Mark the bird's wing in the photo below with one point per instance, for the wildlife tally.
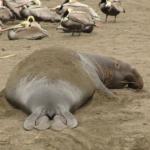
(117, 5)
(78, 4)
(81, 17)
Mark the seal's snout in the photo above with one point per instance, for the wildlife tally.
(137, 81)
(139, 84)
(136, 85)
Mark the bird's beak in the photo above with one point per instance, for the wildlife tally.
(17, 26)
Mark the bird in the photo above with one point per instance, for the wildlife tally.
(22, 24)
(77, 22)
(1, 26)
(30, 3)
(1, 3)
(28, 29)
(26, 23)
(77, 6)
(111, 8)
(68, 1)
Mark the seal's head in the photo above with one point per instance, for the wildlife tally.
(118, 74)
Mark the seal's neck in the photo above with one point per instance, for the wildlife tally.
(102, 67)
(92, 61)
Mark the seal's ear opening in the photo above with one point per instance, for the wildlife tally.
(117, 65)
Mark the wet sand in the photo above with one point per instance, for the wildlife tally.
(103, 124)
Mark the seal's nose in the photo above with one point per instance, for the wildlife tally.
(139, 84)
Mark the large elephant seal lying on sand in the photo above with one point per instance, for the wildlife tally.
(51, 84)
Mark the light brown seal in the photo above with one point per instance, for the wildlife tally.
(51, 84)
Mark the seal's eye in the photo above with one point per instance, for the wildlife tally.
(117, 66)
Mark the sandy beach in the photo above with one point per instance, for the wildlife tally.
(104, 124)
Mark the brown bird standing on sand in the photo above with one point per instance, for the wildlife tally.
(111, 8)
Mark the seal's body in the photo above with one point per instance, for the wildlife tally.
(52, 83)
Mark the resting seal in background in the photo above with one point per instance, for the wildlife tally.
(51, 84)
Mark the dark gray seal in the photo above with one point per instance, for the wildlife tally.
(51, 84)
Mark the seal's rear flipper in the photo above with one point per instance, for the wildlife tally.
(42, 123)
(59, 123)
(64, 120)
(70, 119)
(30, 121)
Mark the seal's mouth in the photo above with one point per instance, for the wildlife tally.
(132, 84)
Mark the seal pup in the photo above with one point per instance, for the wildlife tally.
(52, 83)
(111, 8)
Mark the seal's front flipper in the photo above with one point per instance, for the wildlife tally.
(105, 90)
(71, 121)
(42, 123)
(59, 123)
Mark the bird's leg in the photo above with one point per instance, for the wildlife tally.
(73, 33)
(79, 33)
(115, 19)
(106, 18)
(59, 27)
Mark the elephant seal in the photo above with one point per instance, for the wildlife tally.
(52, 83)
